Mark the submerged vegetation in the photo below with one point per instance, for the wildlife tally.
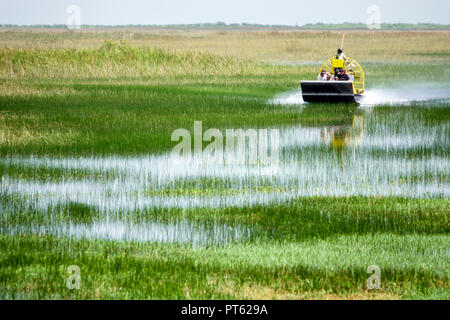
(85, 133)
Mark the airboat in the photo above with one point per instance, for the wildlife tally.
(336, 91)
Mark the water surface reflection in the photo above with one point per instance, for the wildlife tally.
(366, 152)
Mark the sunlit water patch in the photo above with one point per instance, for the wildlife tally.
(116, 230)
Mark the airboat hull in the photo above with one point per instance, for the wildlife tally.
(329, 91)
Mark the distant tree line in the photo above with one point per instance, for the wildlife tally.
(223, 25)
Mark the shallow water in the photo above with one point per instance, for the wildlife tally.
(176, 232)
(394, 153)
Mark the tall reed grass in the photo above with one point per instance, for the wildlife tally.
(261, 46)
(113, 59)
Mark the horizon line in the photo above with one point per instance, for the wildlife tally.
(224, 24)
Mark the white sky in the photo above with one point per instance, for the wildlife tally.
(288, 12)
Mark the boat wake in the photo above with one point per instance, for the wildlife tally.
(293, 97)
(407, 95)
(418, 93)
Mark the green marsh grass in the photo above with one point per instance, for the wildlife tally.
(411, 266)
(116, 99)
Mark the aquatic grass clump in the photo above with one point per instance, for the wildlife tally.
(56, 174)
